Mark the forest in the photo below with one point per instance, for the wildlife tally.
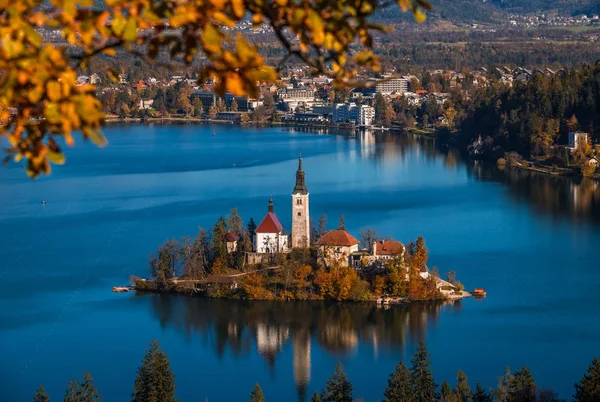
(532, 118)
(155, 382)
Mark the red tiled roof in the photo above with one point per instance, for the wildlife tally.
(270, 224)
(231, 237)
(337, 238)
(389, 247)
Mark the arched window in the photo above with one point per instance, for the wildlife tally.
(299, 201)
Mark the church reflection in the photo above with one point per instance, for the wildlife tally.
(264, 328)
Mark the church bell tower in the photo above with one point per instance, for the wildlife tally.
(300, 217)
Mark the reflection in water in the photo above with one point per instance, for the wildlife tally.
(337, 328)
(559, 197)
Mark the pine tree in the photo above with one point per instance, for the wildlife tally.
(522, 387)
(399, 389)
(72, 392)
(155, 382)
(88, 391)
(315, 397)
(462, 387)
(501, 393)
(338, 388)
(251, 228)
(41, 395)
(588, 388)
(445, 391)
(257, 395)
(421, 378)
(481, 395)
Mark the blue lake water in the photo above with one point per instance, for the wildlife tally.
(533, 242)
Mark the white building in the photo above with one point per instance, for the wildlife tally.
(270, 236)
(362, 115)
(576, 138)
(390, 85)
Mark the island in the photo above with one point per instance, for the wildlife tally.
(263, 262)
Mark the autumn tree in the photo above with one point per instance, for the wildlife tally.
(399, 387)
(588, 388)
(41, 395)
(198, 106)
(154, 382)
(338, 388)
(421, 379)
(368, 236)
(257, 395)
(234, 106)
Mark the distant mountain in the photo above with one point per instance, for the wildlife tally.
(481, 11)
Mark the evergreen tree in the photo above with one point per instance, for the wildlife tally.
(41, 395)
(315, 397)
(588, 388)
(462, 387)
(421, 378)
(399, 389)
(522, 387)
(72, 392)
(257, 395)
(251, 228)
(501, 393)
(338, 388)
(445, 391)
(88, 391)
(155, 382)
(481, 395)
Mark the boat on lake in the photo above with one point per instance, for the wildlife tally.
(479, 292)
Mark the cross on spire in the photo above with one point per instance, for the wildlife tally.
(300, 187)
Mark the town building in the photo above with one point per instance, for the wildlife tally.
(270, 236)
(146, 103)
(361, 115)
(336, 246)
(300, 212)
(391, 85)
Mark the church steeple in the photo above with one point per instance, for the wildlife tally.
(300, 187)
(271, 206)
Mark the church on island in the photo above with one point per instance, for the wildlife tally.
(335, 247)
(270, 235)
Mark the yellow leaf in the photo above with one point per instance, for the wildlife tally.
(238, 8)
(419, 15)
(95, 135)
(317, 30)
(58, 158)
(130, 33)
(211, 40)
(235, 84)
(53, 91)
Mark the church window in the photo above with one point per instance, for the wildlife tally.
(299, 201)
(299, 213)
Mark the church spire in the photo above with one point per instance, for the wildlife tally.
(300, 187)
(271, 206)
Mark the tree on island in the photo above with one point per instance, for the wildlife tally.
(234, 106)
(342, 223)
(315, 397)
(421, 379)
(155, 382)
(338, 388)
(82, 392)
(251, 227)
(257, 395)
(399, 388)
(41, 395)
(588, 388)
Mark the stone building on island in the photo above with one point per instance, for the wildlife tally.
(300, 214)
(336, 246)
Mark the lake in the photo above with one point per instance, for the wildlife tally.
(533, 242)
